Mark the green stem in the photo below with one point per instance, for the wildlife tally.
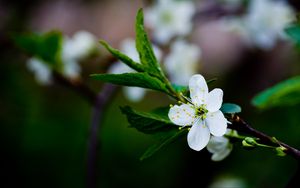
(239, 124)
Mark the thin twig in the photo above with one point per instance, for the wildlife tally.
(240, 125)
(102, 100)
(76, 86)
(99, 102)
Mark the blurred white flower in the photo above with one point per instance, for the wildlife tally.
(202, 113)
(75, 49)
(182, 62)
(71, 69)
(127, 46)
(40, 70)
(220, 147)
(79, 46)
(134, 94)
(228, 182)
(169, 18)
(264, 22)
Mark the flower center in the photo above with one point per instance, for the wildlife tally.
(201, 111)
(167, 17)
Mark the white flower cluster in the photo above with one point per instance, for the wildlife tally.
(73, 50)
(168, 19)
(263, 23)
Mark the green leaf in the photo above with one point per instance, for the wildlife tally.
(124, 58)
(294, 33)
(166, 140)
(148, 123)
(230, 108)
(46, 47)
(180, 88)
(157, 123)
(284, 93)
(144, 47)
(143, 80)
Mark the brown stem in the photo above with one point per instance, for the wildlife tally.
(99, 102)
(102, 100)
(76, 86)
(240, 125)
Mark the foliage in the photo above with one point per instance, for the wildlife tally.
(143, 80)
(293, 32)
(46, 47)
(230, 108)
(284, 93)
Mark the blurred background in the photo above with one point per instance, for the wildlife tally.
(44, 130)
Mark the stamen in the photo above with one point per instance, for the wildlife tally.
(189, 100)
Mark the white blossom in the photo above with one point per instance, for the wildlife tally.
(182, 62)
(202, 113)
(40, 69)
(169, 18)
(127, 46)
(228, 182)
(264, 22)
(220, 147)
(75, 49)
(79, 46)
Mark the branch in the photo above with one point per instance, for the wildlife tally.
(102, 100)
(240, 125)
(77, 86)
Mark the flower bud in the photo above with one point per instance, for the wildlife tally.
(280, 151)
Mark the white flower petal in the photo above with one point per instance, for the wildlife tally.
(214, 100)
(119, 68)
(41, 70)
(71, 69)
(182, 115)
(217, 123)
(169, 18)
(217, 144)
(134, 94)
(198, 136)
(79, 46)
(182, 61)
(222, 155)
(220, 147)
(198, 89)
